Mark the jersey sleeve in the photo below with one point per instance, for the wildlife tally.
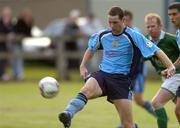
(93, 42)
(178, 39)
(178, 43)
(146, 47)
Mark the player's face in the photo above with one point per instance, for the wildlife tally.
(174, 16)
(116, 24)
(153, 28)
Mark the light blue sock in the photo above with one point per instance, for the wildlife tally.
(76, 104)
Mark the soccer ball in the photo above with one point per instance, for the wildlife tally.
(49, 87)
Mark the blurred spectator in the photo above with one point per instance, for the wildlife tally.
(54, 28)
(57, 26)
(23, 29)
(91, 25)
(24, 23)
(6, 34)
(72, 30)
(67, 27)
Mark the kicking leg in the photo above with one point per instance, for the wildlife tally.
(90, 90)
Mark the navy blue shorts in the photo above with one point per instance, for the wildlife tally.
(114, 86)
(178, 92)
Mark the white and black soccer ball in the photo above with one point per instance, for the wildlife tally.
(49, 87)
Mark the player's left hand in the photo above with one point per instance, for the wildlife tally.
(164, 73)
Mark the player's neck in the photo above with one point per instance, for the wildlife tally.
(156, 37)
(120, 31)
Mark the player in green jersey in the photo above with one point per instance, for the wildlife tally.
(167, 42)
(174, 15)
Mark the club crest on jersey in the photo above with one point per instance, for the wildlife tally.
(149, 43)
(114, 44)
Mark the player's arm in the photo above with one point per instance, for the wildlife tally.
(166, 61)
(177, 63)
(87, 56)
(93, 45)
(148, 49)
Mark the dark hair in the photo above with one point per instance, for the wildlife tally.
(128, 13)
(114, 11)
(174, 5)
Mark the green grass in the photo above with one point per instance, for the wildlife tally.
(21, 106)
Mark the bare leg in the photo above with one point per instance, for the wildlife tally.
(177, 110)
(158, 102)
(124, 108)
(161, 98)
(138, 99)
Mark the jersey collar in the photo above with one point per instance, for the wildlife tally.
(121, 32)
(162, 34)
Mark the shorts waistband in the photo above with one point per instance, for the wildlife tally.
(114, 74)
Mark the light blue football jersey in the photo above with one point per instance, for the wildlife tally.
(178, 37)
(119, 50)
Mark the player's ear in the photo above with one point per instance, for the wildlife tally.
(123, 19)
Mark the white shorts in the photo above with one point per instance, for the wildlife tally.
(171, 84)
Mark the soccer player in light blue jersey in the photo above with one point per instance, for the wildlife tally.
(122, 49)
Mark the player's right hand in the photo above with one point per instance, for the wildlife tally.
(171, 71)
(83, 71)
(168, 72)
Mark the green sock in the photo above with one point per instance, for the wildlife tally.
(162, 118)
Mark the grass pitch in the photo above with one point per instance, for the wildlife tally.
(22, 106)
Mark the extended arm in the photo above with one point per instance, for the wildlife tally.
(170, 67)
(87, 56)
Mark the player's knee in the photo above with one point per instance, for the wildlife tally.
(88, 91)
(156, 104)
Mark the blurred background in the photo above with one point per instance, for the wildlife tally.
(41, 38)
(44, 11)
(56, 32)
